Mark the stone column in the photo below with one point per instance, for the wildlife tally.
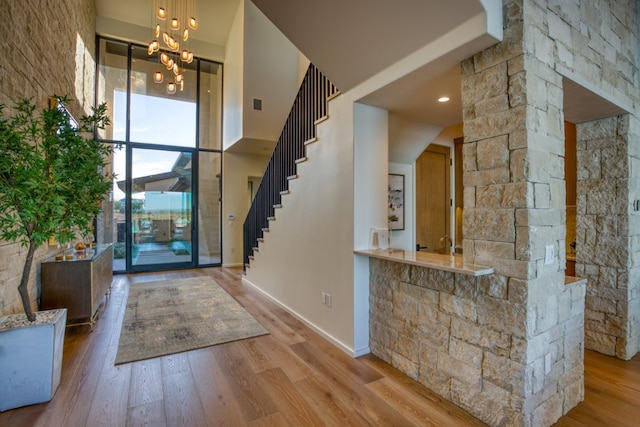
(514, 192)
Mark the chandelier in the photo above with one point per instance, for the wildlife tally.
(172, 22)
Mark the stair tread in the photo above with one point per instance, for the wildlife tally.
(321, 119)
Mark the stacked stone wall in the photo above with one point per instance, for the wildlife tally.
(597, 45)
(49, 51)
(605, 236)
(466, 338)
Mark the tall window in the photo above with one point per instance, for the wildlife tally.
(166, 194)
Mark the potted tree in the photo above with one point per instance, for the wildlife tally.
(52, 182)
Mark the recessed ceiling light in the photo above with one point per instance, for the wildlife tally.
(443, 99)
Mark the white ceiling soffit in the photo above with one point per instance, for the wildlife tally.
(583, 105)
(262, 147)
(350, 41)
(398, 55)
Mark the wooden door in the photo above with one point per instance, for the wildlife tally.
(433, 200)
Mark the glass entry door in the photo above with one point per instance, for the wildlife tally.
(162, 219)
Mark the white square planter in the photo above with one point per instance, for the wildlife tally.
(31, 360)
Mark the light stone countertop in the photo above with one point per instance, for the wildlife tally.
(450, 263)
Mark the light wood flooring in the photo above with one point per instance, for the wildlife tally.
(291, 377)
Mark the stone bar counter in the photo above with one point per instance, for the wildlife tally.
(461, 330)
(451, 263)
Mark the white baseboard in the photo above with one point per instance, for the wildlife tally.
(233, 264)
(361, 351)
(345, 348)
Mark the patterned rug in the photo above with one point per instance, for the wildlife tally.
(172, 316)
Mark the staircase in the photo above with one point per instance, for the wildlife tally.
(299, 130)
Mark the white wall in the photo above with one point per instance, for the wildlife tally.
(260, 64)
(408, 139)
(309, 248)
(371, 183)
(270, 74)
(237, 168)
(447, 135)
(232, 104)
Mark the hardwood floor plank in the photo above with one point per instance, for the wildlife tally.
(612, 393)
(267, 318)
(182, 405)
(220, 407)
(416, 409)
(322, 398)
(264, 353)
(258, 360)
(82, 366)
(406, 382)
(349, 387)
(147, 414)
(251, 396)
(24, 417)
(291, 405)
(146, 383)
(292, 376)
(177, 363)
(337, 362)
(105, 411)
(271, 420)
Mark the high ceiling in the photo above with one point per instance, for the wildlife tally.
(353, 41)
(350, 41)
(215, 16)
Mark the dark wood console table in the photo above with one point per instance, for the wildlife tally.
(77, 283)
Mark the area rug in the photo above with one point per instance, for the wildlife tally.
(172, 316)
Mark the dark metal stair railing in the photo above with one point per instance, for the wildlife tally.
(309, 106)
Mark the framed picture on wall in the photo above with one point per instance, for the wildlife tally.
(396, 201)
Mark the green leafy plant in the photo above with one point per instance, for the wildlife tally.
(52, 177)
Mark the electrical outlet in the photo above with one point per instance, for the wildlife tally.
(548, 254)
(547, 363)
(326, 299)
